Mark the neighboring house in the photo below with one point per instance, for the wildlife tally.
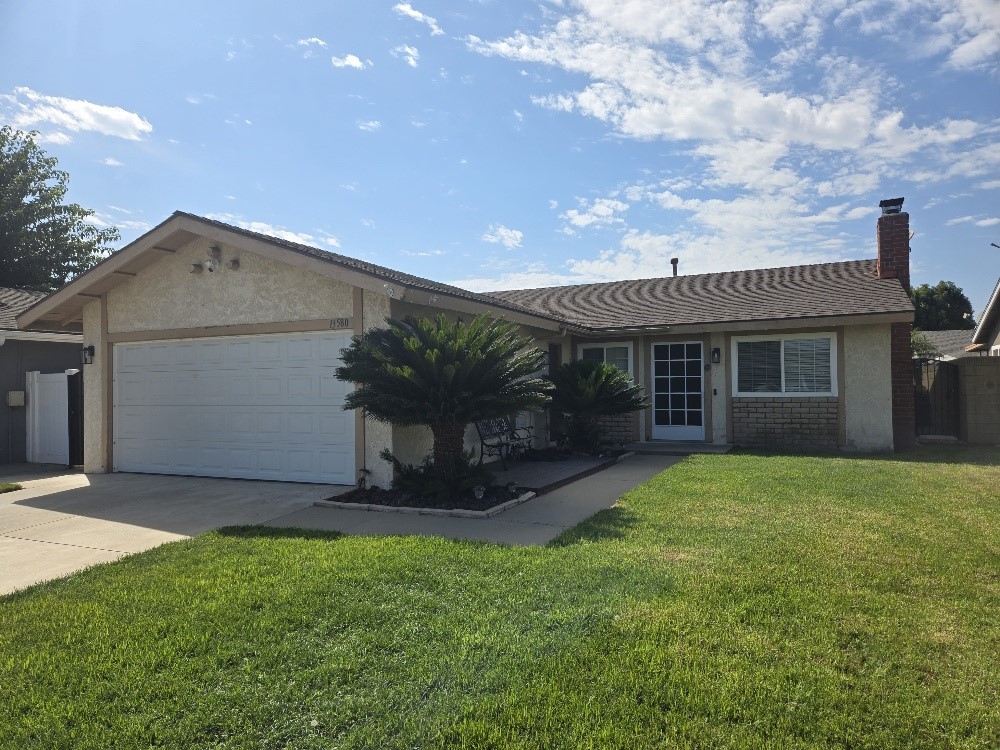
(215, 350)
(949, 344)
(986, 336)
(22, 352)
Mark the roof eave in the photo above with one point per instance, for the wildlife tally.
(991, 311)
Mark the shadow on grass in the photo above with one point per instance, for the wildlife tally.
(979, 455)
(613, 523)
(274, 532)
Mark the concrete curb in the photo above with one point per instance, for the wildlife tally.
(457, 513)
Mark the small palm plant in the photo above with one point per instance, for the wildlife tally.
(443, 375)
(585, 391)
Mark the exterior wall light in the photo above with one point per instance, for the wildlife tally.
(716, 355)
(87, 355)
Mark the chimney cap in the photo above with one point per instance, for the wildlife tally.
(891, 205)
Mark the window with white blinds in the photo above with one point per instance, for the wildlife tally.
(800, 364)
(619, 355)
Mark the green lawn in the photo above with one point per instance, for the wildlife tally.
(9, 487)
(734, 601)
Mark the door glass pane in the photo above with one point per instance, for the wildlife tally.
(693, 367)
(677, 385)
(677, 367)
(677, 401)
(677, 418)
(694, 385)
(661, 417)
(694, 351)
(662, 368)
(694, 418)
(662, 385)
(677, 351)
(694, 401)
(661, 351)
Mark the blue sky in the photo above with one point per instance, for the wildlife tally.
(513, 144)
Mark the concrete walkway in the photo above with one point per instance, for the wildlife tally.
(537, 521)
(62, 523)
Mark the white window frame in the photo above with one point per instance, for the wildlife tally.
(783, 337)
(603, 345)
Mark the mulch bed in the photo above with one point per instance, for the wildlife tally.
(398, 499)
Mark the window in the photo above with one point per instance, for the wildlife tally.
(619, 355)
(799, 364)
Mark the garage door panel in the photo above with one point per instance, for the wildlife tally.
(266, 407)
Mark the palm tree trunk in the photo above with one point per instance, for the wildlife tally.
(449, 442)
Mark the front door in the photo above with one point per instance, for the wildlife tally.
(678, 400)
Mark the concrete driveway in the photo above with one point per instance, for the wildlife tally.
(63, 522)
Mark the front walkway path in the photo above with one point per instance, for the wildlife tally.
(537, 521)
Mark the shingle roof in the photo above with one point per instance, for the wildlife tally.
(950, 343)
(390, 275)
(792, 292)
(12, 303)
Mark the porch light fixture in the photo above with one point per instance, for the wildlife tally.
(716, 355)
(87, 355)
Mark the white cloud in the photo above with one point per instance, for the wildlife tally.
(111, 161)
(27, 110)
(991, 222)
(405, 9)
(369, 126)
(311, 42)
(990, 184)
(959, 220)
(410, 54)
(272, 230)
(498, 234)
(519, 115)
(599, 213)
(350, 61)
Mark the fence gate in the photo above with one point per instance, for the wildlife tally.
(936, 397)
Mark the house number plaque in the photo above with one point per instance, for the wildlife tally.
(340, 323)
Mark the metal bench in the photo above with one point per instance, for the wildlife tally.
(499, 437)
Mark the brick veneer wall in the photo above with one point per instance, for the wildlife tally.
(808, 423)
(904, 418)
(621, 428)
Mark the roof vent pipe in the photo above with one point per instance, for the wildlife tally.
(673, 262)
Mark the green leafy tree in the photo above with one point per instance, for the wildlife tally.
(43, 241)
(922, 346)
(443, 375)
(943, 307)
(585, 391)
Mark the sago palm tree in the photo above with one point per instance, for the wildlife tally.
(586, 390)
(443, 375)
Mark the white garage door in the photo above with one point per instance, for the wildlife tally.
(253, 407)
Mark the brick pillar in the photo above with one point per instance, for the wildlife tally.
(904, 422)
(893, 237)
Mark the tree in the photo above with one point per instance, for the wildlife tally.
(922, 346)
(586, 390)
(443, 375)
(43, 241)
(943, 307)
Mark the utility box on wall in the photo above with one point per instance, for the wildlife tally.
(15, 398)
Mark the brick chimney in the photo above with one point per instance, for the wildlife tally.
(893, 235)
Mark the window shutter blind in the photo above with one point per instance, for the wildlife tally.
(758, 366)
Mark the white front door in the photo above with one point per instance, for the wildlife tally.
(252, 407)
(48, 418)
(678, 391)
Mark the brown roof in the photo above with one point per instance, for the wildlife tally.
(12, 303)
(792, 292)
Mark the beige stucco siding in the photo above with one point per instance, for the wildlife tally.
(378, 435)
(94, 451)
(867, 388)
(166, 295)
(717, 386)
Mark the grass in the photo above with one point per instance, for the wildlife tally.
(9, 487)
(734, 601)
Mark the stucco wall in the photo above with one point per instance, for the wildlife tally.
(378, 435)
(717, 384)
(167, 295)
(867, 390)
(979, 399)
(94, 451)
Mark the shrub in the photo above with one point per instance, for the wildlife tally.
(443, 481)
(587, 390)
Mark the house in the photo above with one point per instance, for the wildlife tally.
(23, 352)
(986, 336)
(949, 344)
(215, 348)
